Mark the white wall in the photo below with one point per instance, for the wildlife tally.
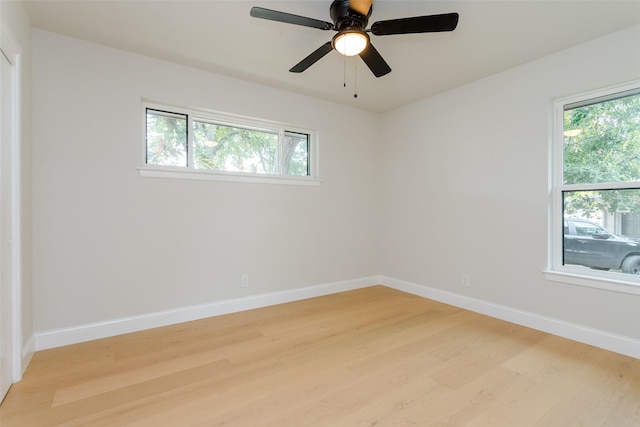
(465, 189)
(110, 244)
(15, 22)
(454, 184)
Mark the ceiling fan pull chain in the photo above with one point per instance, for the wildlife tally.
(355, 79)
(344, 71)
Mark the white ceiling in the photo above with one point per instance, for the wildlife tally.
(221, 37)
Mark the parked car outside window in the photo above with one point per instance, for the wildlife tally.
(589, 244)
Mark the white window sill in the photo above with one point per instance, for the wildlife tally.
(616, 283)
(184, 173)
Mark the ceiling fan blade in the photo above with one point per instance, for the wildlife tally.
(361, 6)
(417, 24)
(315, 56)
(374, 61)
(289, 18)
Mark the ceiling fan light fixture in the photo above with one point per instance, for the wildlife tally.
(350, 42)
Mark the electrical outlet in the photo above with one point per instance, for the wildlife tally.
(465, 280)
(244, 281)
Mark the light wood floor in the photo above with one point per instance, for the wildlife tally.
(371, 357)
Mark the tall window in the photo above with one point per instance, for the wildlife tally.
(201, 141)
(597, 185)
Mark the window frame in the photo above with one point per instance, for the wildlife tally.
(225, 119)
(569, 274)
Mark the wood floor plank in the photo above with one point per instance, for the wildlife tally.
(373, 356)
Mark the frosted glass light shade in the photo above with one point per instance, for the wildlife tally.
(350, 42)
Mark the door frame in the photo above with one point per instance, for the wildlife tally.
(11, 49)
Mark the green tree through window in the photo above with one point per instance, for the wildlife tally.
(166, 138)
(197, 141)
(602, 145)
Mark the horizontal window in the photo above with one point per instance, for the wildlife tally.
(199, 141)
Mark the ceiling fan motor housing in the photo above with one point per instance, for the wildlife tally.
(344, 17)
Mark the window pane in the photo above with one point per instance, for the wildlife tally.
(295, 154)
(234, 149)
(602, 229)
(602, 141)
(166, 138)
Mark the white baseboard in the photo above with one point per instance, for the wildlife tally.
(92, 331)
(88, 332)
(616, 343)
(28, 351)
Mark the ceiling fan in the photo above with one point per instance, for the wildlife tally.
(350, 18)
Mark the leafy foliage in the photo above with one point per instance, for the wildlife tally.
(166, 138)
(223, 147)
(295, 154)
(227, 148)
(603, 146)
